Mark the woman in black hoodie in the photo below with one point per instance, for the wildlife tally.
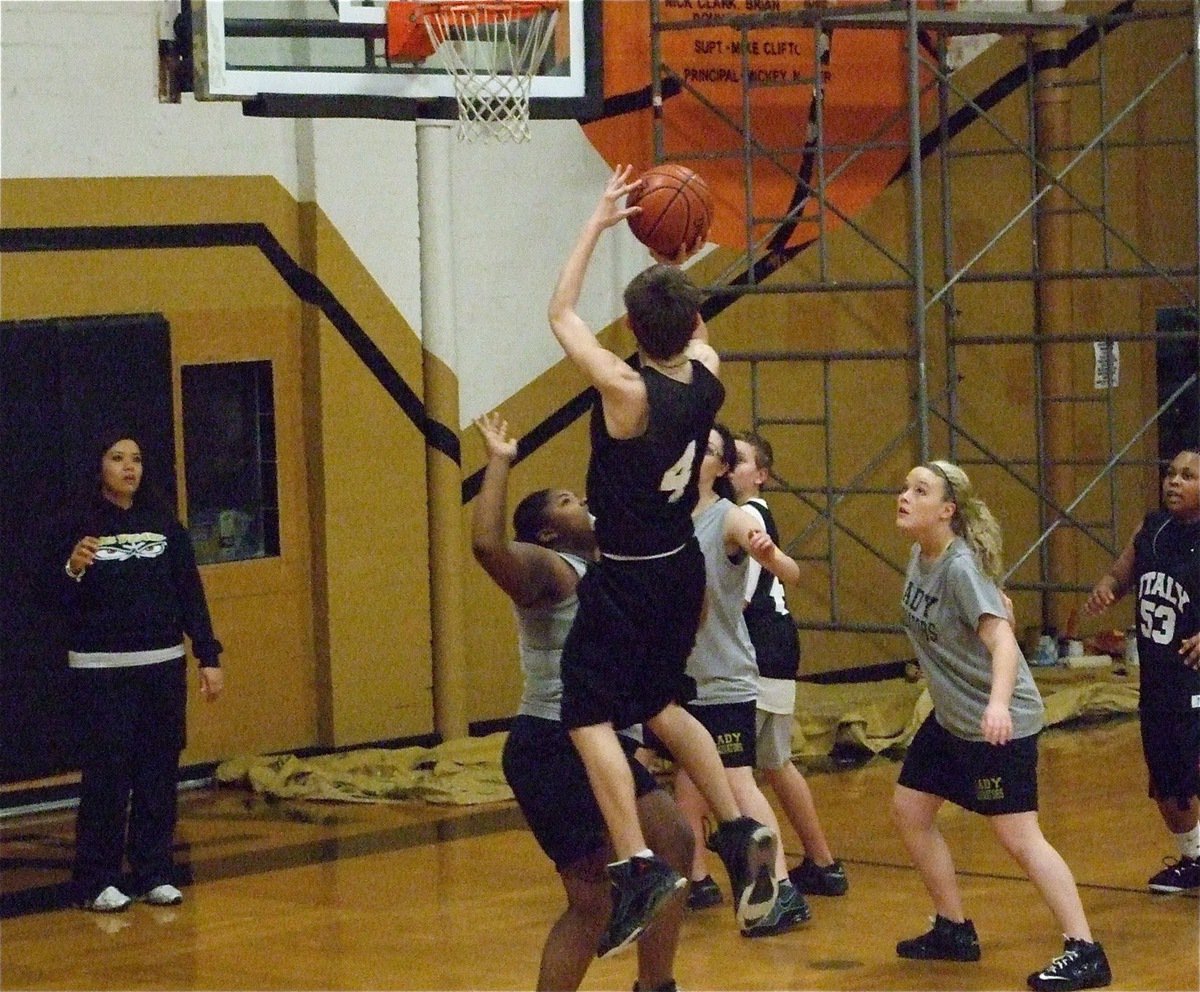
(133, 591)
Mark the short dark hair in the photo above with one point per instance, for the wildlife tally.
(662, 306)
(530, 516)
(764, 456)
(723, 485)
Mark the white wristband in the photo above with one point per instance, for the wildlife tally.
(73, 575)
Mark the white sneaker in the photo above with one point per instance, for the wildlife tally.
(111, 900)
(163, 895)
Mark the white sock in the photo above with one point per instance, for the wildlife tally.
(1189, 843)
(645, 852)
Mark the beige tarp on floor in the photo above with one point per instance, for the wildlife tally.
(879, 716)
(873, 716)
(459, 773)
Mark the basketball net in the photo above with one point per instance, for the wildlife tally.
(492, 50)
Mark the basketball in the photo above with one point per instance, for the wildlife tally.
(676, 209)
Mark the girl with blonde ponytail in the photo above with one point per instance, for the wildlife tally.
(978, 748)
(973, 521)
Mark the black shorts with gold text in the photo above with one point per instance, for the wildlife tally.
(984, 778)
(734, 729)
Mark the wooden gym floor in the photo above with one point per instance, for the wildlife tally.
(323, 896)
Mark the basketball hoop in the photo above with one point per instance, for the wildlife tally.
(492, 49)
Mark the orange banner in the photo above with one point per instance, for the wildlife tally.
(864, 93)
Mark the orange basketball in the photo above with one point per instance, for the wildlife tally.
(677, 209)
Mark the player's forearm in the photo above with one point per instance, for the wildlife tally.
(997, 636)
(565, 297)
(487, 520)
(1004, 674)
(1121, 572)
(786, 568)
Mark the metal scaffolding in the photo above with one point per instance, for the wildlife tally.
(1052, 162)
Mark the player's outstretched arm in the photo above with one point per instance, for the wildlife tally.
(744, 531)
(1113, 584)
(605, 369)
(528, 573)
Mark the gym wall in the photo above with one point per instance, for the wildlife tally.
(329, 644)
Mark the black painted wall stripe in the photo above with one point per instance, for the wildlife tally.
(303, 283)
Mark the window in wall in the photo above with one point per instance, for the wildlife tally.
(1179, 425)
(229, 461)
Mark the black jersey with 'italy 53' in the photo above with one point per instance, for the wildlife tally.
(1166, 578)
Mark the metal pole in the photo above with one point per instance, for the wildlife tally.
(656, 97)
(444, 476)
(1054, 303)
(917, 230)
(949, 315)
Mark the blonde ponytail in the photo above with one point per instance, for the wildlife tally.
(972, 521)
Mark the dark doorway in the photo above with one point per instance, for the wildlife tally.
(1178, 359)
(62, 381)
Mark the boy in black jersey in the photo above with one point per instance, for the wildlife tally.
(640, 604)
(1161, 565)
(777, 651)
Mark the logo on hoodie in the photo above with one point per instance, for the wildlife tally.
(122, 547)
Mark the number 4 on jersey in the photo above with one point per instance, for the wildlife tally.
(676, 478)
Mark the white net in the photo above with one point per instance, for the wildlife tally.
(492, 50)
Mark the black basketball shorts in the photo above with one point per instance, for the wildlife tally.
(551, 786)
(985, 778)
(625, 657)
(734, 730)
(1171, 746)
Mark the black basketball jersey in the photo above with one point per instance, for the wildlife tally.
(1167, 589)
(642, 490)
(772, 629)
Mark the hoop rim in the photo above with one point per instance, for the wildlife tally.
(520, 9)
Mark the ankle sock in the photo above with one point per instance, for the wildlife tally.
(1189, 843)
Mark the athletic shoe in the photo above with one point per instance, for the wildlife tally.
(704, 894)
(111, 900)
(1179, 876)
(747, 849)
(947, 941)
(789, 911)
(820, 880)
(640, 889)
(162, 895)
(1080, 966)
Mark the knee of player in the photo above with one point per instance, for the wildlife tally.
(589, 901)
(667, 832)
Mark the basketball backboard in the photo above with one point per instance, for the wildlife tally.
(327, 58)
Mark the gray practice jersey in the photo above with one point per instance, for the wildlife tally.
(542, 631)
(943, 603)
(722, 662)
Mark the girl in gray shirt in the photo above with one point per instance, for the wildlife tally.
(978, 748)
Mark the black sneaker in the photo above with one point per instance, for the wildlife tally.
(947, 941)
(748, 850)
(1179, 876)
(789, 912)
(665, 987)
(1080, 966)
(820, 880)
(640, 888)
(704, 894)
